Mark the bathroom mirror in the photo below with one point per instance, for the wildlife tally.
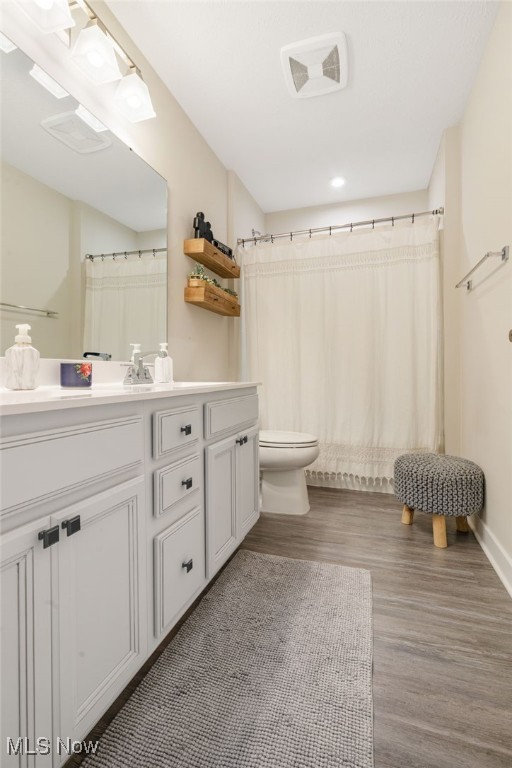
(69, 190)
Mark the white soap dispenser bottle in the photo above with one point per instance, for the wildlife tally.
(163, 366)
(135, 349)
(22, 361)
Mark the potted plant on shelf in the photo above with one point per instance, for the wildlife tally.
(198, 277)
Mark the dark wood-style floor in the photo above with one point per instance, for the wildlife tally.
(442, 627)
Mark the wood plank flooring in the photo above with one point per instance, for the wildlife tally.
(442, 627)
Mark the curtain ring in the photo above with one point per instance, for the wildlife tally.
(373, 223)
(351, 227)
(310, 233)
(140, 254)
(114, 256)
(412, 221)
(254, 241)
(330, 231)
(103, 257)
(154, 253)
(392, 221)
(291, 237)
(125, 256)
(272, 239)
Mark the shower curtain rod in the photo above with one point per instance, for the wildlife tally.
(124, 254)
(330, 230)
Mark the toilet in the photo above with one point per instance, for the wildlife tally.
(283, 457)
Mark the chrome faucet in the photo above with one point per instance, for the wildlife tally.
(137, 372)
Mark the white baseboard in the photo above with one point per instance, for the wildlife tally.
(500, 560)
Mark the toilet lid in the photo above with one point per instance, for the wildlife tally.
(270, 438)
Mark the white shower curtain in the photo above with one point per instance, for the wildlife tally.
(125, 302)
(344, 332)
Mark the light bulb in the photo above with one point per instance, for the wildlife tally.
(95, 58)
(133, 101)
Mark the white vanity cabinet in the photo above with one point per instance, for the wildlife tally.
(114, 517)
(25, 642)
(232, 477)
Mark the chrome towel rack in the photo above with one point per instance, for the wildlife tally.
(45, 312)
(503, 254)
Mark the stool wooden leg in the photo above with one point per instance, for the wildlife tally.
(439, 529)
(407, 515)
(462, 524)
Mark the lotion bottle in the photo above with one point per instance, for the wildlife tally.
(22, 361)
(163, 366)
(135, 349)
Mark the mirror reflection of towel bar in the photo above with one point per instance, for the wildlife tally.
(45, 312)
(469, 283)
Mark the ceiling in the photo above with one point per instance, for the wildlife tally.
(411, 68)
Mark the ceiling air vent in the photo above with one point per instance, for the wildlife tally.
(74, 133)
(315, 66)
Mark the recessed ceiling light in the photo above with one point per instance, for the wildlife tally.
(90, 119)
(5, 44)
(338, 181)
(44, 79)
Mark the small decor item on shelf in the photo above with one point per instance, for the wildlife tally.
(203, 229)
(75, 375)
(199, 274)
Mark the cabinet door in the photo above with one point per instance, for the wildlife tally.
(247, 483)
(100, 632)
(25, 641)
(220, 503)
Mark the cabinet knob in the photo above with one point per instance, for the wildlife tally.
(240, 440)
(188, 565)
(187, 483)
(49, 537)
(72, 525)
(187, 429)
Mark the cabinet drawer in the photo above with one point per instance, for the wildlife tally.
(229, 415)
(175, 429)
(179, 568)
(175, 483)
(61, 460)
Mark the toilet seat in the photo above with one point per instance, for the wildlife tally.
(270, 438)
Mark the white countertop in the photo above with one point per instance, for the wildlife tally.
(52, 398)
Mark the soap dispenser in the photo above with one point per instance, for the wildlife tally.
(22, 361)
(135, 350)
(163, 366)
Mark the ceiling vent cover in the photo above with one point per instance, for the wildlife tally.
(74, 133)
(315, 66)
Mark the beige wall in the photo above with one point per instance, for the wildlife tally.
(343, 213)
(36, 262)
(475, 168)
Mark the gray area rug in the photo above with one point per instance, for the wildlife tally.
(272, 670)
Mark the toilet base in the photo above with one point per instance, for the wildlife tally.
(285, 492)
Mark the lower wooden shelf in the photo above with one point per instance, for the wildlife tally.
(212, 298)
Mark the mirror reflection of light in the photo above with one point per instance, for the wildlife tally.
(95, 58)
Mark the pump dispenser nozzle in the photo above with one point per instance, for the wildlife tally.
(23, 337)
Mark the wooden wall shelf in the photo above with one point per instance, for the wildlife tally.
(212, 298)
(210, 257)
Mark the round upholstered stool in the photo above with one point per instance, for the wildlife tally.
(439, 485)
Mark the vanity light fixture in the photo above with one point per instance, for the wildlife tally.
(94, 54)
(44, 79)
(48, 15)
(90, 119)
(5, 44)
(132, 98)
(338, 181)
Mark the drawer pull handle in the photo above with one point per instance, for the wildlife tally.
(188, 565)
(187, 483)
(187, 429)
(49, 537)
(72, 526)
(242, 440)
